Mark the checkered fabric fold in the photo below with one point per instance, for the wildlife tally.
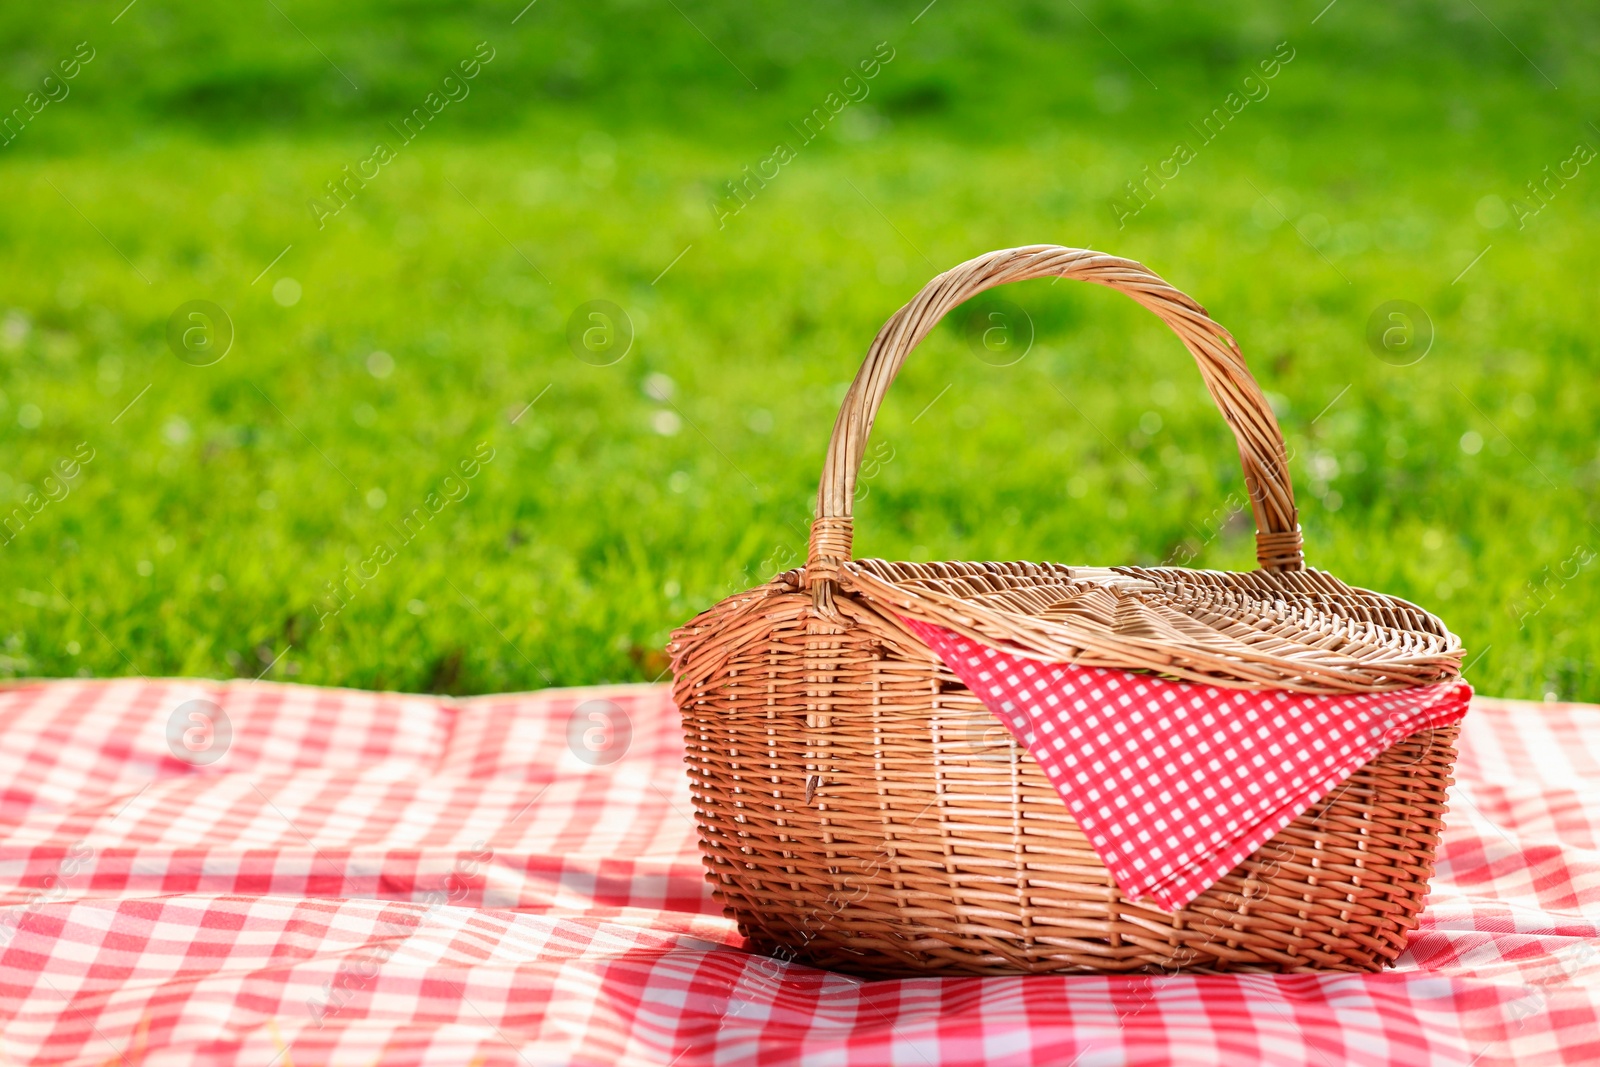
(1175, 783)
(366, 878)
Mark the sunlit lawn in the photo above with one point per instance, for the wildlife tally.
(305, 507)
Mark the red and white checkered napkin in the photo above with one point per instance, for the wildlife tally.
(1175, 783)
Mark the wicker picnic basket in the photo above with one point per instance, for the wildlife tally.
(859, 809)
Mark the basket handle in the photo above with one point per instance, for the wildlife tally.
(1261, 448)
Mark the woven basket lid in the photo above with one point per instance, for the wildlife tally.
(1282, 626)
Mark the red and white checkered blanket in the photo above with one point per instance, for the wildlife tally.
(366, 878)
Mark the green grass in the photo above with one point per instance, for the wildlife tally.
(222, 500)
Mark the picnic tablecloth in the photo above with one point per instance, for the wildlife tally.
(359, 878)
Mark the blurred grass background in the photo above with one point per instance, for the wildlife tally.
(1389, 161)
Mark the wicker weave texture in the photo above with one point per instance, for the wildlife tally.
(888, 825)
(860, 809)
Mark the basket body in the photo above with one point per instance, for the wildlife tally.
(859, 809)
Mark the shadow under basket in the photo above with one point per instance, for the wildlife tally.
(860, 809)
